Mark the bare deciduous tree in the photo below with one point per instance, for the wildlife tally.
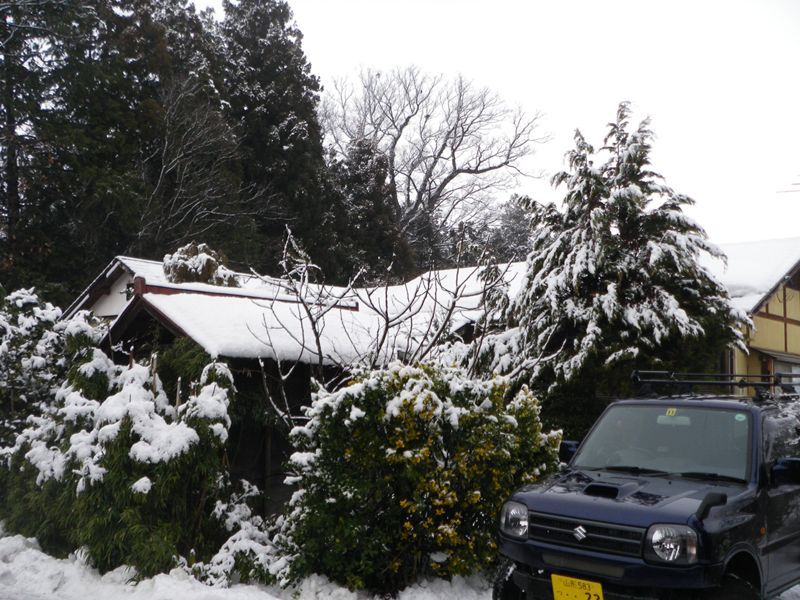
(303, 325)
(451, 145)
(191, 185)
(355, 329)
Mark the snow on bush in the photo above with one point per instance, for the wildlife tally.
(132, 479)
(402, 474)
(33, 345)
(103, 461)
(198, 263)
(249, 553)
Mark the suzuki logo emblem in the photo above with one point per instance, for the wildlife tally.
(580, 533)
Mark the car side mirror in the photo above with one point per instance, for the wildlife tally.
(567, 450)
(786, 471)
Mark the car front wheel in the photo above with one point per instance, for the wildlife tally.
(504, 587)
(734, 587)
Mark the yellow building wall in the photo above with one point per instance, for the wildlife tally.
(746, 364)
(793, 338)
(793, 304)
(768, 334)
(774, 305)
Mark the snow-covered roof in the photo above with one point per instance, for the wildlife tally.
(755, 269)
(242, 327)
(152, 272)
(265, 320)
(249, 284)
(262, 318)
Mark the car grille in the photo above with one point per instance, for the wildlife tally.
(604, 537)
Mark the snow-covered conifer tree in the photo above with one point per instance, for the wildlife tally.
(614, 273)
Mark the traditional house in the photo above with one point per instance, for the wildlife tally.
(277, 335)
(264, 319)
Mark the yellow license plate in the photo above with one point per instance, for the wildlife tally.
(569, 588)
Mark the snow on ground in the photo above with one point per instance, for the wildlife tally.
(26, 573)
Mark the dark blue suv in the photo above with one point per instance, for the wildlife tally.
(679, 497)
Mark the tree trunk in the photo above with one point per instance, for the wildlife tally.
(11, 174)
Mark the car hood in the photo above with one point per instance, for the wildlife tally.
(635, 500)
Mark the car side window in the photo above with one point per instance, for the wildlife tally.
(781, 436)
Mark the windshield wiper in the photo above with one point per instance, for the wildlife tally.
(710, 476)
(635, 470)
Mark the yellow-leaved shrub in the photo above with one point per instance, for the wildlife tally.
(402, 475)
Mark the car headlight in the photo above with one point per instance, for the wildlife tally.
(514, 519)
(674, 544)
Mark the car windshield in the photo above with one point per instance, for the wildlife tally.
(695, 442)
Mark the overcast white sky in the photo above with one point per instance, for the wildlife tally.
(720, 80)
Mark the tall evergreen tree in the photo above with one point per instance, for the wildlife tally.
(613, 280)
(135, 126)
(31, 44)
(97, 68)
(114, 121)
(272, 98)
(510, 236)
(373, 241)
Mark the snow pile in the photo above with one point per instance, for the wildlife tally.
(142, 486)
(26, 573)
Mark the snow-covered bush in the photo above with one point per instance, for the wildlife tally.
(158, 470)
(36, 349)
(44, 351)
(198, 263)
(31, 360)
(134, 479)
(402, 474)
(249, 553)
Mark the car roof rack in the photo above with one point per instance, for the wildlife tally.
(787, 387)
(763, 384)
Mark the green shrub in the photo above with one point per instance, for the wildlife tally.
(402, 475)
(161, 481)
(111, 466)
(180, 363)
(103, 460)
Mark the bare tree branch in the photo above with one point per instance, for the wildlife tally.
(191, 189)
(450, 144)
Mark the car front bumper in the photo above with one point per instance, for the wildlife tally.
(622, 577)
